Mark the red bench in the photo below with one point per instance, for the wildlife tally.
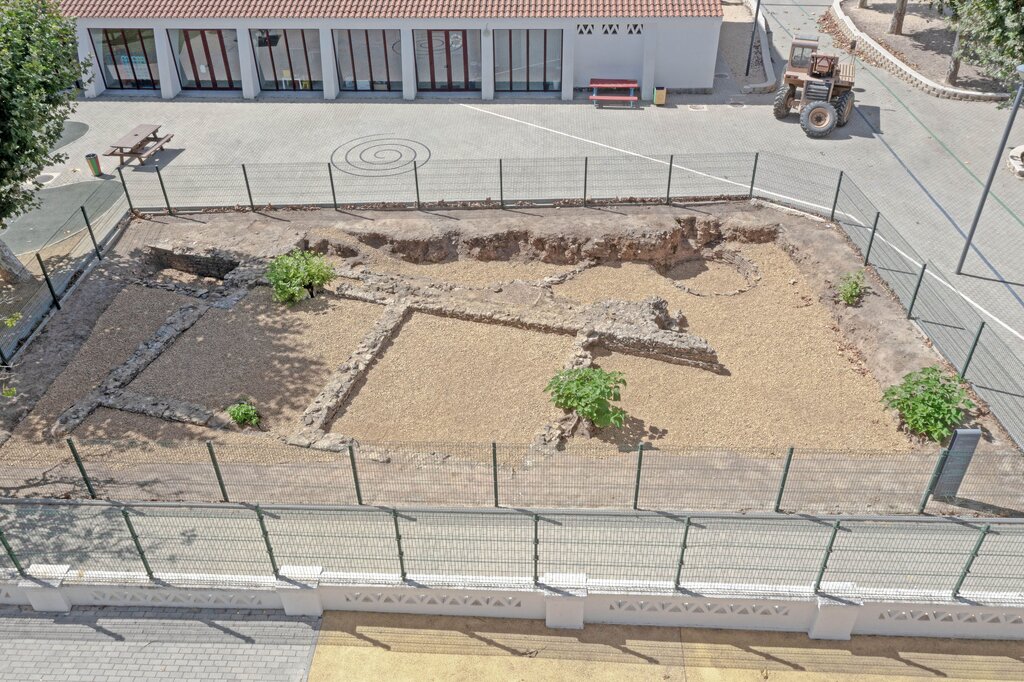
(603, 85)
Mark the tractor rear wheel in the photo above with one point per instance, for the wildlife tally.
(784, 97)
(844, 107)
(818, 119)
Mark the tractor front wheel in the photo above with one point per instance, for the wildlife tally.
(844, 107)
(784, 97)
(818, 119)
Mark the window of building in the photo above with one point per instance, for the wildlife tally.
(288, 59)
(369, 59)
(527, 60)
(127, 58)
(447, 59)
(207, 59)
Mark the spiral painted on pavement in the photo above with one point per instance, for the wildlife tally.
(379, 156)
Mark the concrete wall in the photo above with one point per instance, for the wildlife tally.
(686, 52)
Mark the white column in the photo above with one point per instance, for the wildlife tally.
(835, 618)
(568, 60)
(247, 63)
(95, 84)
(166, 67)
(328, 66)
(408, 65)
(650, 60)
(487, 63)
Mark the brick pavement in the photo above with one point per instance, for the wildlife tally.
(108, 644)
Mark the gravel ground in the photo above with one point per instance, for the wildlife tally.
(276, 356)
(788, 378)
(449, 380)
(130, 319)
(467, 271)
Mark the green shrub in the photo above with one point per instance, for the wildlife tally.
(852, 288)
(244, 414)
(587, 392)
(930, 402)
(298, 273)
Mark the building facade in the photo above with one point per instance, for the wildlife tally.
(339, 48)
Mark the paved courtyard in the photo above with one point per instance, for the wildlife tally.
(111, 644)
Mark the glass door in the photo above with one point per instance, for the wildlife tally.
(207, 58)
(127, 58)
(447, 60)
(526, 60)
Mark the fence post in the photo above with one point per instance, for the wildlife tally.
(824, 559)
(939, 464)
(917, 288)
(138, 545)
(334, 195)
(266, 541)
(536, 549)
(970, 560)
(835, 200)
(974, 347)
(216, 470)
(753, 175)
(81, 468)
(124, 186)
(586, 165)
(668, 189)
(494, 470)
(682, 552)
(416, 179)
(398, 541)
(782, 481)
(88, 226)
(871, 239)
(49, 284)
(163, 188)
(501, 184)
(11, 555)
(248, 191)
(639, 469)
(4, 362)
(355, 473)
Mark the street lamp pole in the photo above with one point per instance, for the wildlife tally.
(992, 173)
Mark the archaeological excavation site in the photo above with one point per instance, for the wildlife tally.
(445, 327)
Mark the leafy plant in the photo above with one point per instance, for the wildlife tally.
(244, 414)
(295, 274)
(587, 391)
(852, 288)
(930, 402)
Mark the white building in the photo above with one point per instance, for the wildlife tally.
(396, 47)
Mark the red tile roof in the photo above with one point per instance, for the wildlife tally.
(388, 9)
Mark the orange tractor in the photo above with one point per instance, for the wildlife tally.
(817, 86)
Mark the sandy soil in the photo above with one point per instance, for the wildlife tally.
(449, 380)
(276, 356)
(788, 378)
(925, 45)
(468, 272)
(371, 646)
(130, 319)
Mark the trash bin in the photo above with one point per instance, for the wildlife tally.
(659, 96)
(94, 164)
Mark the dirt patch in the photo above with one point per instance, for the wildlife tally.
(926, 43)
(261, 351)
(734, 44)
(454, 381)
(469, 272)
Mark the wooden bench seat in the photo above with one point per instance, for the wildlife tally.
(157, 145)
(629, 99)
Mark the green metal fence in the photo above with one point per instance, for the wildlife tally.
(579, 476)
(181, 544)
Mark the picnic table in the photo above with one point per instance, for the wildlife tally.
(142, 142)
(599, 88)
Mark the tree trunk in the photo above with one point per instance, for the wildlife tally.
(896, 25)
(953, 69)
(11, 269)
(862, 4)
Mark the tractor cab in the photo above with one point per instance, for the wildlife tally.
(800, 53)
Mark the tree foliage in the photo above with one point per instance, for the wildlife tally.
(587, 391)
(38, 70)
(991, 35)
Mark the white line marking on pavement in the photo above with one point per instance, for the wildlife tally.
(653, 159)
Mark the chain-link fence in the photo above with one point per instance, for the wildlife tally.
(880, 557)
(579, 476)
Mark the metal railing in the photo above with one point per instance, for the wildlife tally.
(854, 557)
(579, 476)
